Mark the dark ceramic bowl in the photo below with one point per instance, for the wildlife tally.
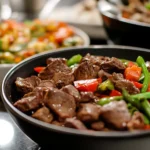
(123, 31)
(55, 137)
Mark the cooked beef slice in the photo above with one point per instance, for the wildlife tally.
(63, 60)
(103, 75)
(32, 100)
(86, 70)
(136, 122)
(61, 103)
(28, 84)
(47, 84)
(95, 60)
(43, 114)
(116, 114)
(55, 122)
(59, 72)
(71, 90)
(98, 126)
(75, 123)
(88, 112)
(120, 83)
(87, 97)
(28, 102)
(112, 65)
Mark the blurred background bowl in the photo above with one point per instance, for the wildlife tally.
(123, 31)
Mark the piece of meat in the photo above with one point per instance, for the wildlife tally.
(43, 114)
(88, 112)
(98, 126)
(28, 84)
(136, 122)
(32, 100)
(95, 60)
(63, 60)
(59, 72)
(104, 75)
(61, 103)
(86, 70)
(120, 83)
(47, 84)
(57, 123)
(116, 113)
(113, 65)
(75, 123)
(28, 102)
(87, 97)
(71, 90)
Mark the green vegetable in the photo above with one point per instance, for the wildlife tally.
(146, 120)
(140, 61)
(107, 100)
(142, 77)
(106, 85)
(145, 107)
(131, 108)
(0, 44)
(147, 5)
(74, 60)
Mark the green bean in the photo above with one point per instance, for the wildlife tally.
(145, 107)
(74, 60)
(139, 96)
(106, 85)
(142, 64)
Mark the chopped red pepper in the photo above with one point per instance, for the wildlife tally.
(147, 127)
(130, 64)
(39, 69)
(137, 84)
(133, 73)
(87, 85)
(115, 93)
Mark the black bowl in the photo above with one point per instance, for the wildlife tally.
(52, 136)
(123, 31)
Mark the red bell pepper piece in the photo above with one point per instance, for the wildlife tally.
(130, 64)
(87, 85)
(39, 69)
(133, 73)
(147, 127)
(137, 84)
(115, 93)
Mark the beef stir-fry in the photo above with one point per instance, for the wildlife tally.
(95, 93)
(137, 10)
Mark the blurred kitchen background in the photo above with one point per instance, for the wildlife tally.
(80, 13)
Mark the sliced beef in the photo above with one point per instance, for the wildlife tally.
(120, 83)
(88, 112)
(75, 123)
(86, 70)
(28, 84)
(104, 75)
(55, 122)
(61, 103)
(87, 97)
(116, 114)
(113, 65)
(59, 72)
(95, 60)
(32, 100)
(71, 90)
(136, 122)
(47, 84)
(98, 126)
(28, 102)
(49, 60)
(43, 114)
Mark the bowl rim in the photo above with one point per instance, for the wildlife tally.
(78, 32)
(65, 130)
(121, 19)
